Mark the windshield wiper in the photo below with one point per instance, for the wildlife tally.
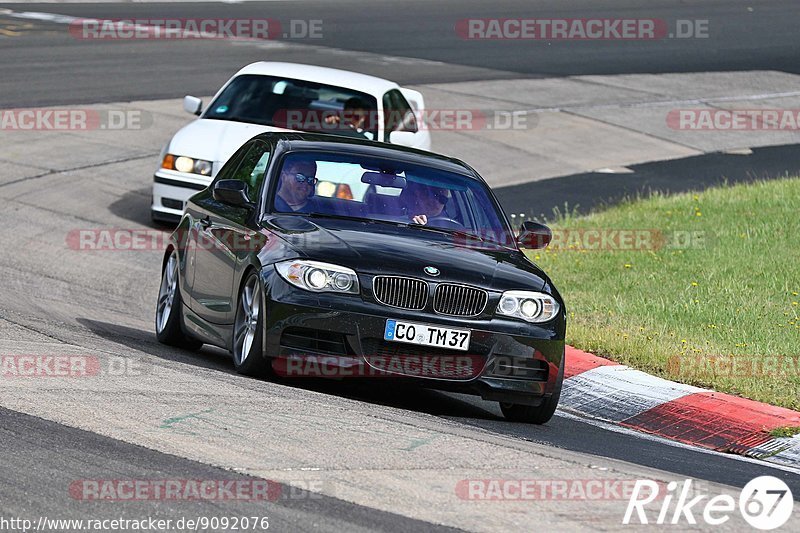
(242, 119)
(443, 231)
(348, 217)
(460, 233)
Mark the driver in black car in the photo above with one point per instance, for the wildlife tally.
(296, 188)
(427, 202)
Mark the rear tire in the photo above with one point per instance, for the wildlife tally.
(169, 309)
(539, 414)
(248, 329)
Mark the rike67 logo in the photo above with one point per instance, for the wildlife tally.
(765, 503)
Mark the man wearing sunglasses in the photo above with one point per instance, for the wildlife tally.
(427, 202)
(298, 182)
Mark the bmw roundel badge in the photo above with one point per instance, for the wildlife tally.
(431, 271)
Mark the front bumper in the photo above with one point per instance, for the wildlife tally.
(341, 336)
(171, 191)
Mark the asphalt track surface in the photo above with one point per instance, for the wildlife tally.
(755, 35)
(583, 193)
(45, 66)
(53, 456)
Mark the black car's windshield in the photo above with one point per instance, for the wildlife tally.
(388, 191)
(295, 105)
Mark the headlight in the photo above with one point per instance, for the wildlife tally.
(318, 277)
(186, 164)
(528, 305)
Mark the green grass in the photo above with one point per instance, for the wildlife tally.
(785, 431)
(719, 312)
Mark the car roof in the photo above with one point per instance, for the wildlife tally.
(329, 76)
(291, 141)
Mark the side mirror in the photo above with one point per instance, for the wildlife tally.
(193, 105)
(414, 98)
(403, 138)
(232, 192)
(534, 235)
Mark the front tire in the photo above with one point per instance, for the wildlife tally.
(539, 414)
(169, 309)
(248, 329)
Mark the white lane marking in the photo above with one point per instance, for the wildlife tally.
(35, 15)
(738, 151)
(403, 60)
(783, 450)
(67, 19)
(614, 170)
(618, 392)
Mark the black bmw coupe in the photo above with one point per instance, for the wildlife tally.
(320, 256)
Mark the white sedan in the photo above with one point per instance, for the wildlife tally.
(268, 96)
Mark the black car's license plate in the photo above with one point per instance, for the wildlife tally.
(426, 335)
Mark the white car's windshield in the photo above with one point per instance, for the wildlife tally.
(296, 105)
(389, 191)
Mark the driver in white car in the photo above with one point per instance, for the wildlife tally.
(354, 121)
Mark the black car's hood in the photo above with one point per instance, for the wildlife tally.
(378, 248)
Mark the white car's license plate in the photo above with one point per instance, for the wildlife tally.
(413, 333)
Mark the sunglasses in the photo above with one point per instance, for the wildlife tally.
(441, 197)
(302, 178)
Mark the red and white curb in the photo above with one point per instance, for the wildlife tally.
(598, 388)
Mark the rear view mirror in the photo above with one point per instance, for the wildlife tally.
(383, 180)
(192, 104)
(534, 235)
(232, 192)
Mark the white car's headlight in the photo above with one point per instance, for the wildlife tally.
(318, 277)
(528, 305)
(186, 164)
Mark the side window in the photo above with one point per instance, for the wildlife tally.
(230, 166)
(252, 168)
(397, 114)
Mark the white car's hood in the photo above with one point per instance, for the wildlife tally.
(214, 140)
